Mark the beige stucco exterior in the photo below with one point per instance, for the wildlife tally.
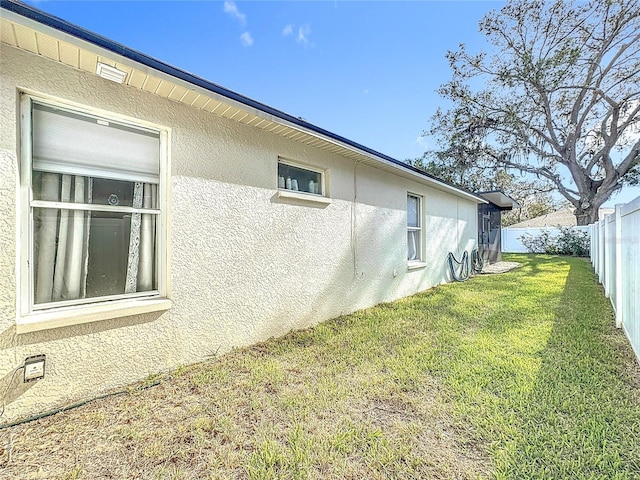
(245, 265)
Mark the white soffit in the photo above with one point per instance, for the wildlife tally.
(45, 41)
(500, 199)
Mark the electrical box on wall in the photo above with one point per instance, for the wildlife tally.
(34, 368)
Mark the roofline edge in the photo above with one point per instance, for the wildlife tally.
(60, 25)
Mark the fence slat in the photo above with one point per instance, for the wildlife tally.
(617, 280)
(615, 256)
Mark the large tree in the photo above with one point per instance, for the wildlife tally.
(558, 97)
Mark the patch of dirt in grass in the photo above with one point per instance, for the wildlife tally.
(432, 435)
(217, 421)
(389, 412)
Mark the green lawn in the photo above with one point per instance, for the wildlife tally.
(520, 375)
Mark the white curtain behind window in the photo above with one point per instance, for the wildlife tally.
(141, 241)
(147, 239)
(62, 240)
(63, 235)
(413, 241)
(70, 149)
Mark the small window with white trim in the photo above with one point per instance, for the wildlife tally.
(298, 178)
(414, 228)
(94, 220)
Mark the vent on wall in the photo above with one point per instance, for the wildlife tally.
(110, 73)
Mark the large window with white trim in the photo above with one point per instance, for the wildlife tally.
(414, 228)
(94, 188)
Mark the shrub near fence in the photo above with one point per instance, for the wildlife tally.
(512, 238)
(615, 255)
(563, 241)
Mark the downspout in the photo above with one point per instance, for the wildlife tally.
(354, 225)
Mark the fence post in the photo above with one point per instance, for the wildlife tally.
(601, 246)
(606, 277)
(618, 277)
(595, 246)
(591, 243)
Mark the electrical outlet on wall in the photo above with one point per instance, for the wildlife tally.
(34, 368)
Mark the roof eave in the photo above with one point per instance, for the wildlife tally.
(41, 21)
(500, 199)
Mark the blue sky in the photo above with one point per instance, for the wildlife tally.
(366, 70)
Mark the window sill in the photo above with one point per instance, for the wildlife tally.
(303, 197)
(415, 265)
(65, 317)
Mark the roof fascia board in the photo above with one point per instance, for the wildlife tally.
(112, 54)
(412, 172)
(500, 199)
(37, 20)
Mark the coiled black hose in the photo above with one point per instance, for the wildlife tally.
(477, 263)
(461, 272)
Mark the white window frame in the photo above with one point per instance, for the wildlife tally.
(321, 172)
(417, 262)
(57, 314)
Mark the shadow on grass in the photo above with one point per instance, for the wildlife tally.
(534, 264)
(510, 376)
(580, 419)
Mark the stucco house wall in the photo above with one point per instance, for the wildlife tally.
(245, 265)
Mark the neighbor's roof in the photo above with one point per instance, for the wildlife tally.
(40, 33)
(563, 217)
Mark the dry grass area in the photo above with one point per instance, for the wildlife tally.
(311, 405)
(265, 412)
(518, 375)
(262, 412)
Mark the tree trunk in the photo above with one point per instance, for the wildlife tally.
(586, 216)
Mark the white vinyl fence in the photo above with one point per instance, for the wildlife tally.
(615, 255)
(511, 236)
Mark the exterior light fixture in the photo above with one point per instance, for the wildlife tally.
(110, 73)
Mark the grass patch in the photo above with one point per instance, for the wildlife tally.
(519, 375)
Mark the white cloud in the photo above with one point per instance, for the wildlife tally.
(246, 39)
(422, 141)
(366, 91)
(231, 8)
(303, 34)
(288, 30)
